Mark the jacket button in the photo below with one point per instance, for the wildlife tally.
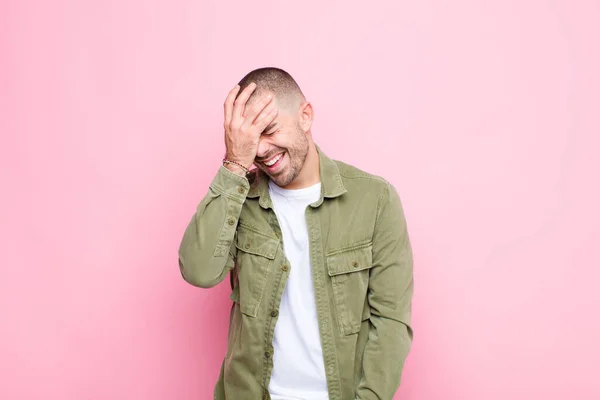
(355, 264)
(241, 190)
(284, 267)
(267, 354)
(274, 313)
(231, 221)
(248, 245)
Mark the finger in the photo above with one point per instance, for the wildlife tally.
(240, 102)
(260, 106)
(249, 121)
(228, 106)
(265, 119)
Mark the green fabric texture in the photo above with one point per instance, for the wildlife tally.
(362, 269)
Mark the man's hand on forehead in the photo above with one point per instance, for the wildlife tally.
(244, 123)
(257, 96)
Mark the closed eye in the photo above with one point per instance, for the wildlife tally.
(270, 130)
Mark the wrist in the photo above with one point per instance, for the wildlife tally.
(236, 162)
(236, 169)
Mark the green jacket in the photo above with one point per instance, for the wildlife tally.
(362, 270)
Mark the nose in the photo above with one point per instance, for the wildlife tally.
(263, 148)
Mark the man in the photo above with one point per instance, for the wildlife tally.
(318, 254)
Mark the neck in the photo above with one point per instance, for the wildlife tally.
(309, 174)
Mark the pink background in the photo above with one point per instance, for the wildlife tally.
(484, 114)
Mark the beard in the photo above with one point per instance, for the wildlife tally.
(297, 154)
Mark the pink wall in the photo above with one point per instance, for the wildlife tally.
(483, 114)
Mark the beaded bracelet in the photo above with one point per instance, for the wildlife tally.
(226, 161)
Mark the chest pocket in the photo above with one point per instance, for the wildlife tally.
(349, 272)
(255, 256)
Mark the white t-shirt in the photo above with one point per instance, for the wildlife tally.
(298, 367)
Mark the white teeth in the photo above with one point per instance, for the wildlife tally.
(273, 161)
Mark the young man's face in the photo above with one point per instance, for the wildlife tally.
(283, 147)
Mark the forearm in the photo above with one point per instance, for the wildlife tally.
(383, 361)
(207, 249)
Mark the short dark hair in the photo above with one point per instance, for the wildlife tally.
(274, 80)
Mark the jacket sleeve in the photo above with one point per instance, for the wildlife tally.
(207, 251)
(390, 295)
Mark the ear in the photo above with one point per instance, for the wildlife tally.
(306, 115)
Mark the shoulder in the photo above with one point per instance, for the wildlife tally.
(356, 178)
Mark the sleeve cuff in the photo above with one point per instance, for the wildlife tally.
(231, 184)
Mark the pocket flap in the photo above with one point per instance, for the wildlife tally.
(349, 260)
(253, 242)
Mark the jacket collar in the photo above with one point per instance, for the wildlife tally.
(331, 182)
